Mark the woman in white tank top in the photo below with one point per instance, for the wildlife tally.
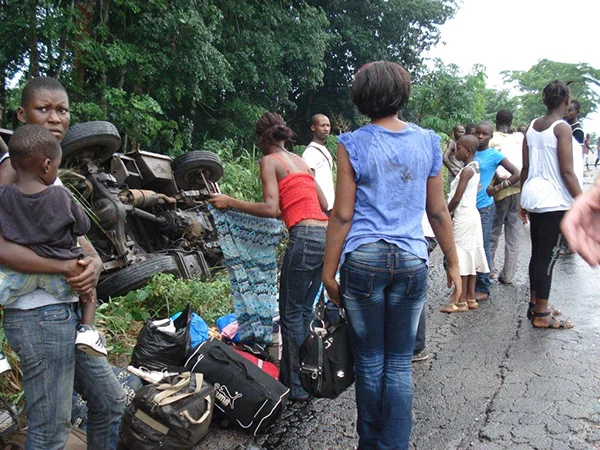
(549, 186)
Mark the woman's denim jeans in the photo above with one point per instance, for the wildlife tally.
(300, 282)
(383, 289)
(483, 283)
(44, 339)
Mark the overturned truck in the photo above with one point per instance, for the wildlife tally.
(149, 212)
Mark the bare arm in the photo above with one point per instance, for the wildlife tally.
(339, 222)
(267, 208)
(465, 176)
(22, 259)
(523, 213)
(321, 196)
(565, 158)
(446, 158)
(7, 173)
(503, 184)
(440, 221)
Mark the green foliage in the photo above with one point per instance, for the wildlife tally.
(164, 295)
(241, 174)
(531, 83)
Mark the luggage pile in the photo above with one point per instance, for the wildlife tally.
(191, 378)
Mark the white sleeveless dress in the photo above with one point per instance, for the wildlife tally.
(468, 234)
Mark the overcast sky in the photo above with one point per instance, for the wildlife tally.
(516, 34)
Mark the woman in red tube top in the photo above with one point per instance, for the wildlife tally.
(289, 192)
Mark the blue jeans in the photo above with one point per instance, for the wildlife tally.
(487, 221)
(44, 339)
(383, 289)
(299, 284)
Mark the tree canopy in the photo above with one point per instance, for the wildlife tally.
(174, 74)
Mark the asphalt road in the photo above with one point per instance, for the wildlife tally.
(492, 381)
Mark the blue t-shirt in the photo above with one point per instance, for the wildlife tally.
(392, 168)
(488, 160)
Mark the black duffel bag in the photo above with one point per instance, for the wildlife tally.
(244, 393)
(172, 415)
(326, 360)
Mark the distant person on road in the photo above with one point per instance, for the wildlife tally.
(580, 225)
(549, 185)
(319, 159)
(587, 148)
(466, 224)
(507, 201)
(489, 160)
(289, 191)
(388, 176)
(597, 152)
(450, 161)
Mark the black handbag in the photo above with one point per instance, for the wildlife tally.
(326, 360)
(244, 393)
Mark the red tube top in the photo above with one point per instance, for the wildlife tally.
(298, 199)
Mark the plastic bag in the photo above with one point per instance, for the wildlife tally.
(157, 350)
(198, 329)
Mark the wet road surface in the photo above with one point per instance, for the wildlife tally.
(491, 382)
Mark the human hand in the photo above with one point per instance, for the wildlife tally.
(86, 281)
(220, 201)
(491, 191)
(524, 215)
(581, 226)
(453, 277)
(333, 290)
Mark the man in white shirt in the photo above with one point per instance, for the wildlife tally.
(318, 158)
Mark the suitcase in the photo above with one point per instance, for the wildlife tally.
(245, 394)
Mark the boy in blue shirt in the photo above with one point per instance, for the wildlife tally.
(489, 159)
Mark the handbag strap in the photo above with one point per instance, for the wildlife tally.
(171, 393)
(193, 421)
(220, 355)
(329, 162)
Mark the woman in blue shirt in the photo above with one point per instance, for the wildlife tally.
(388, 176)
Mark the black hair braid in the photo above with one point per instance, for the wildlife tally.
(555, 93)
(272, 128)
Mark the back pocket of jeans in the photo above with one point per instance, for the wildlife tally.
(313, 255)
(357, 285)
(417, 282)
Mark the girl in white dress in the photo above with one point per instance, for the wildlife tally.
(468, 234)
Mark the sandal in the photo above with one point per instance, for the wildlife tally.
(472, 304)
(455, 307)
(561, 323)
(552, 309)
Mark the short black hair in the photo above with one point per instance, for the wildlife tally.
(555, 93)
(381, 89)
(576, 104)
(31, 143)
(315, 118)
(470, 141)
(39, 84)
(470, 126)
(271, 128)
(504, 117)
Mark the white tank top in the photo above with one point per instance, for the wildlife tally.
(544, 190)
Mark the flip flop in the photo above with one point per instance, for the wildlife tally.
(455, 307)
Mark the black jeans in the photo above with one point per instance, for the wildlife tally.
(299, 285)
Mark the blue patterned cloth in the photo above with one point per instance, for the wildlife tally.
(248, 244)
(15, 284)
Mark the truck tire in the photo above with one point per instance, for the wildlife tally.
(187, 169)
(100, 139)
(135, 276)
